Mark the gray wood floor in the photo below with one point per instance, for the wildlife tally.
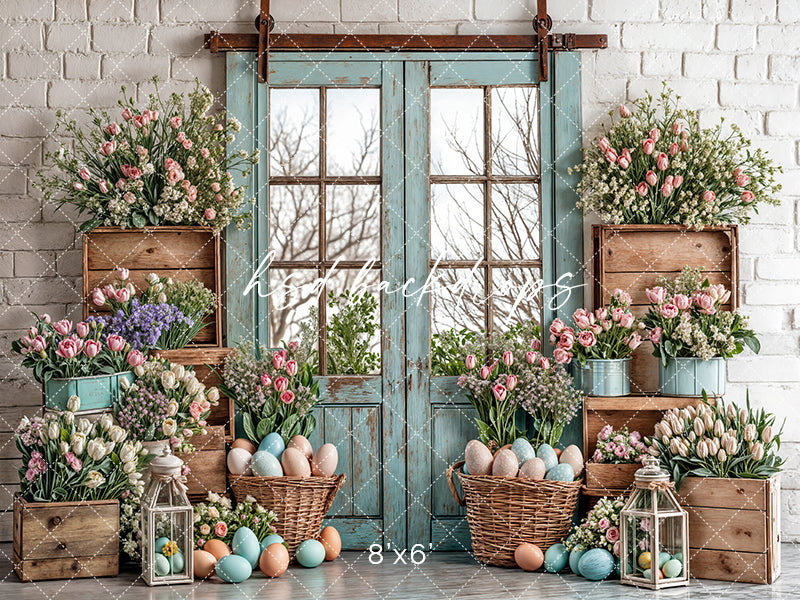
(443, 576)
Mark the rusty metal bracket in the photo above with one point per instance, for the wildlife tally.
(265, 24)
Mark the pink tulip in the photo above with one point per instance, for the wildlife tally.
(123, 295)
(616, 314)
(611, 155)
(82, 329)
(84, 174)
(606, 325)
(673, 148)
(682, 301)
(109, 290)
(281, 383)
(511, 382)
(92, 348)
(287, 397)
(624, 163)
(624, 112)
(113, 128)
(499, 391)
(175, 122)
(641, 189)
(666, 190)
(135, 358)
(677, 128)
(677, 181)
(561, 356)
(277, 360)
(604, 144)
(485, 372)
(127, 114)
(627, 320)
(648, 146)
(103, 186)
(742, 180)
(651, 178)
(108, 148)
(544, 362)
(69, 348)
(566, 340)
(655, 335)
(662, 162)
(98, 298)
(601, 313)
(706, 303)
(115, 343)
(669, 311)
(38, 344)
(634, 341)
(63, 327)
(121, 182)
(291, 368)
(46, 318)
(587, 339)
(655, 134)
(123, 273)
(530, 358)
(557, 326)
(709, 196)
(627, 154)
(684, 145)
(508, 358)
(140, 121)
(78, 186)
(471, 361)
(655, 295)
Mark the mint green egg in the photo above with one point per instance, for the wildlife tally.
(274, 444)
(178, 562)
(523, 449)
(663, 557)
(233, 568)
(265, 464)
(548, 455)
(160, 565)
(310, 553)
(678, 556)
(647, 573)
(245, 544)
(574, 558)
(556, 558)
(273, 538)
(596, 564)
(160, 543)
(672, 568)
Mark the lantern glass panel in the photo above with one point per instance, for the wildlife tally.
(670, 536)
(638, 532)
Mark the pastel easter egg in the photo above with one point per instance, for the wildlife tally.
(273, 538)
(663, 557)
(160, 543)
(310, 553)
(533, 469)
(332, 542)
(548, 455)
(324, 461)
(573, 457)
(239, 462)
(562, 472)
(274, 560)
(574, 560)
(295, 464)
(528, 557)
(177, 562)
(273, 443)
(217, 548)
(678, 556)
(245, 544)
(203, 563)
(233, 568)
(302, 444)
(644, 560)
(596, 564)
(244, 444)
(556, 558)
(523, 449)
(264, 464)
(505, 464)
(160, 565)
(672, 568)
(478, 458)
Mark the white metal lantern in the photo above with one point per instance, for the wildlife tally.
(167, 524)
(655, 532)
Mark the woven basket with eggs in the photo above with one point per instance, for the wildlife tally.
(504, 512)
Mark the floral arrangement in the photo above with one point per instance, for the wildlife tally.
(686, 319)
(619, 446)
(165, 402)
(166, 315)
(216, 519)
(600, 528)
(65, 459)
(717, 440)
(608, 333)
(274, 391)
(165, 164)
(130, 525)
(61, 350)
(656, 165)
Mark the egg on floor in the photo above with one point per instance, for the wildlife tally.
(204, 563)
(295, 464)
(505, 464)
(528, 557)
(274, 560)
(324, 461)
(332, 542)
(556, 558)
(217, 548)
(233, 568)
(301, 443)
(310, 553)
(245, 544)
(478, 458)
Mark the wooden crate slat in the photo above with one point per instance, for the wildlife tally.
(102, 565)
(728, 529)
(743, 494)
(610, 477)
(158, 248)
(741, 567)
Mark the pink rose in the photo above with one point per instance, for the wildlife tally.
(709, 196)
(174, 176)
(587, 339)
(604, 144)
(561, 356)
(557, 326)
(115, 343)
(616, 548)
(544, 362)
(597, 456)
(181, 136)
(92, 348)
(530, 358)
(666, 190)
(135, 358)
(648, 146)
(742, 180)
(508, 358)
(141, 151)
(651, 178)
(205, 152)
(127, 114)
(677, 181)
(626, 320)
(612, 535)
(485, 372)
(287, 397)
(195, 409)
(131, 172)
(662, 162)
(281, 383)
(611, 155)
(669, 311)
(471, 361)
(604, 523)
(63, 327)
(673, 148)
(69, 348)
(192, 193)
(655, 134)
(624, 112)
(210, 214)
(655, 295)
(604, 433)
(291, 368)
(221, 529)
(566, 340)
(108, 148)
(624, 163)
(511, 382)
(747, 196)
(215, 187)
(682, 301)
(641, 189)
(113, 128)
(187, 144)
(82, 329)
(737, 171)
(219, 198)
(170, 164)
(84, 174)
(175, 122)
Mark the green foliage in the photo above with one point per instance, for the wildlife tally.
(447, 351)
(352, 325)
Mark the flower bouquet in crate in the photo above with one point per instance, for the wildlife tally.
(693, 335)
(77, 360)
(617, 456)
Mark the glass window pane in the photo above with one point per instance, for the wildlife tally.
(293, 302)
(353, 132)
(458, 300)
(457, 131)
(515, 222)
(294, 131)
(294, 222)
(354, 226)
(457, 227)
(515, 131)
(516, 296)
(354, 322)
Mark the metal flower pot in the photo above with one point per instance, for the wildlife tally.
(603, 377)
(97, 392)
(690, 376)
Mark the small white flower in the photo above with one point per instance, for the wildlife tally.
(129, 467)
(53, 430)
(64, 447)
(168, 380)
(178, 370)
(78, 443)
(96, 449)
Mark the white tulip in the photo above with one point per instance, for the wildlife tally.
(96, 449)
(106, 421)
(766, 434)
(117, 434)
(131, 288)
(172, 408)
(722, 456)
(94, 479)
(78, 443)
(178, 370)
(53, 430)
(158, 287)
(162, 298)
(74, 403)
(153, 279)
(750, 432)
(69, 417)
(128, 467)
(124, 383)
(213, 395)
(168, 427)
(719, 428)
(139, 371)
(134, 478)
(731, 412)
(84, 425)
(699, 426)
(743, 415)
(128, 452)
(168, 380)
(757, 451)
(109, 447)
(64, 447)
(193, 386)
(170, 281)
(702, 449)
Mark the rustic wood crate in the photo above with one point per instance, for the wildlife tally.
(734, 528)
(207, 465)
(633, 257)
(183, 253)
(203, 359)
(63, 540)
(637, 413)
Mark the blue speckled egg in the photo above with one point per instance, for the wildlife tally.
(160, 543)
(310, 553)
(233, 568)
(245, 544)
(574, 558)
(274, 444)
(596, 564)
(562, 472)
(265, 464)
(160, 565)
(548, 455)
(177, 561)
(273, 538)
(556, 558)
(523, 449)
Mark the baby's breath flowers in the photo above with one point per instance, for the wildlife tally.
(656, 165)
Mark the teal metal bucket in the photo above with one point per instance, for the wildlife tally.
(603, 377)
(97, 392)
(690, 376)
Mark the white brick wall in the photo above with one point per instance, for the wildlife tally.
(732, 58)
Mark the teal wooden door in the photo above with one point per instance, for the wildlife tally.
(463, 180)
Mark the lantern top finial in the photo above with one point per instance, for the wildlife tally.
(166, 463)
(651, 471)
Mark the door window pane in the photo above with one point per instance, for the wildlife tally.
(354, 322)
(294, 132)
(353, 131)
(515, 221)
(457, 227)
(293, 301)
(457, 131)
(516, 297)
(515, 131)
(458, 300)
(354, 226)
(294, 221)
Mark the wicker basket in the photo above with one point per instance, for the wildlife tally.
(504, 512)
(299, 503)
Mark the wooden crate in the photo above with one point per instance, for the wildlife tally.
(183, 253)
(64, 540)
(734, 528)
(637, 413)
(203, 359)
(633, 257)
(207, 466)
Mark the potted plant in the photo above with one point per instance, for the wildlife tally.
(600, 349)
(692, 335)
(615, 459)
(72, 475)
(77, 360)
